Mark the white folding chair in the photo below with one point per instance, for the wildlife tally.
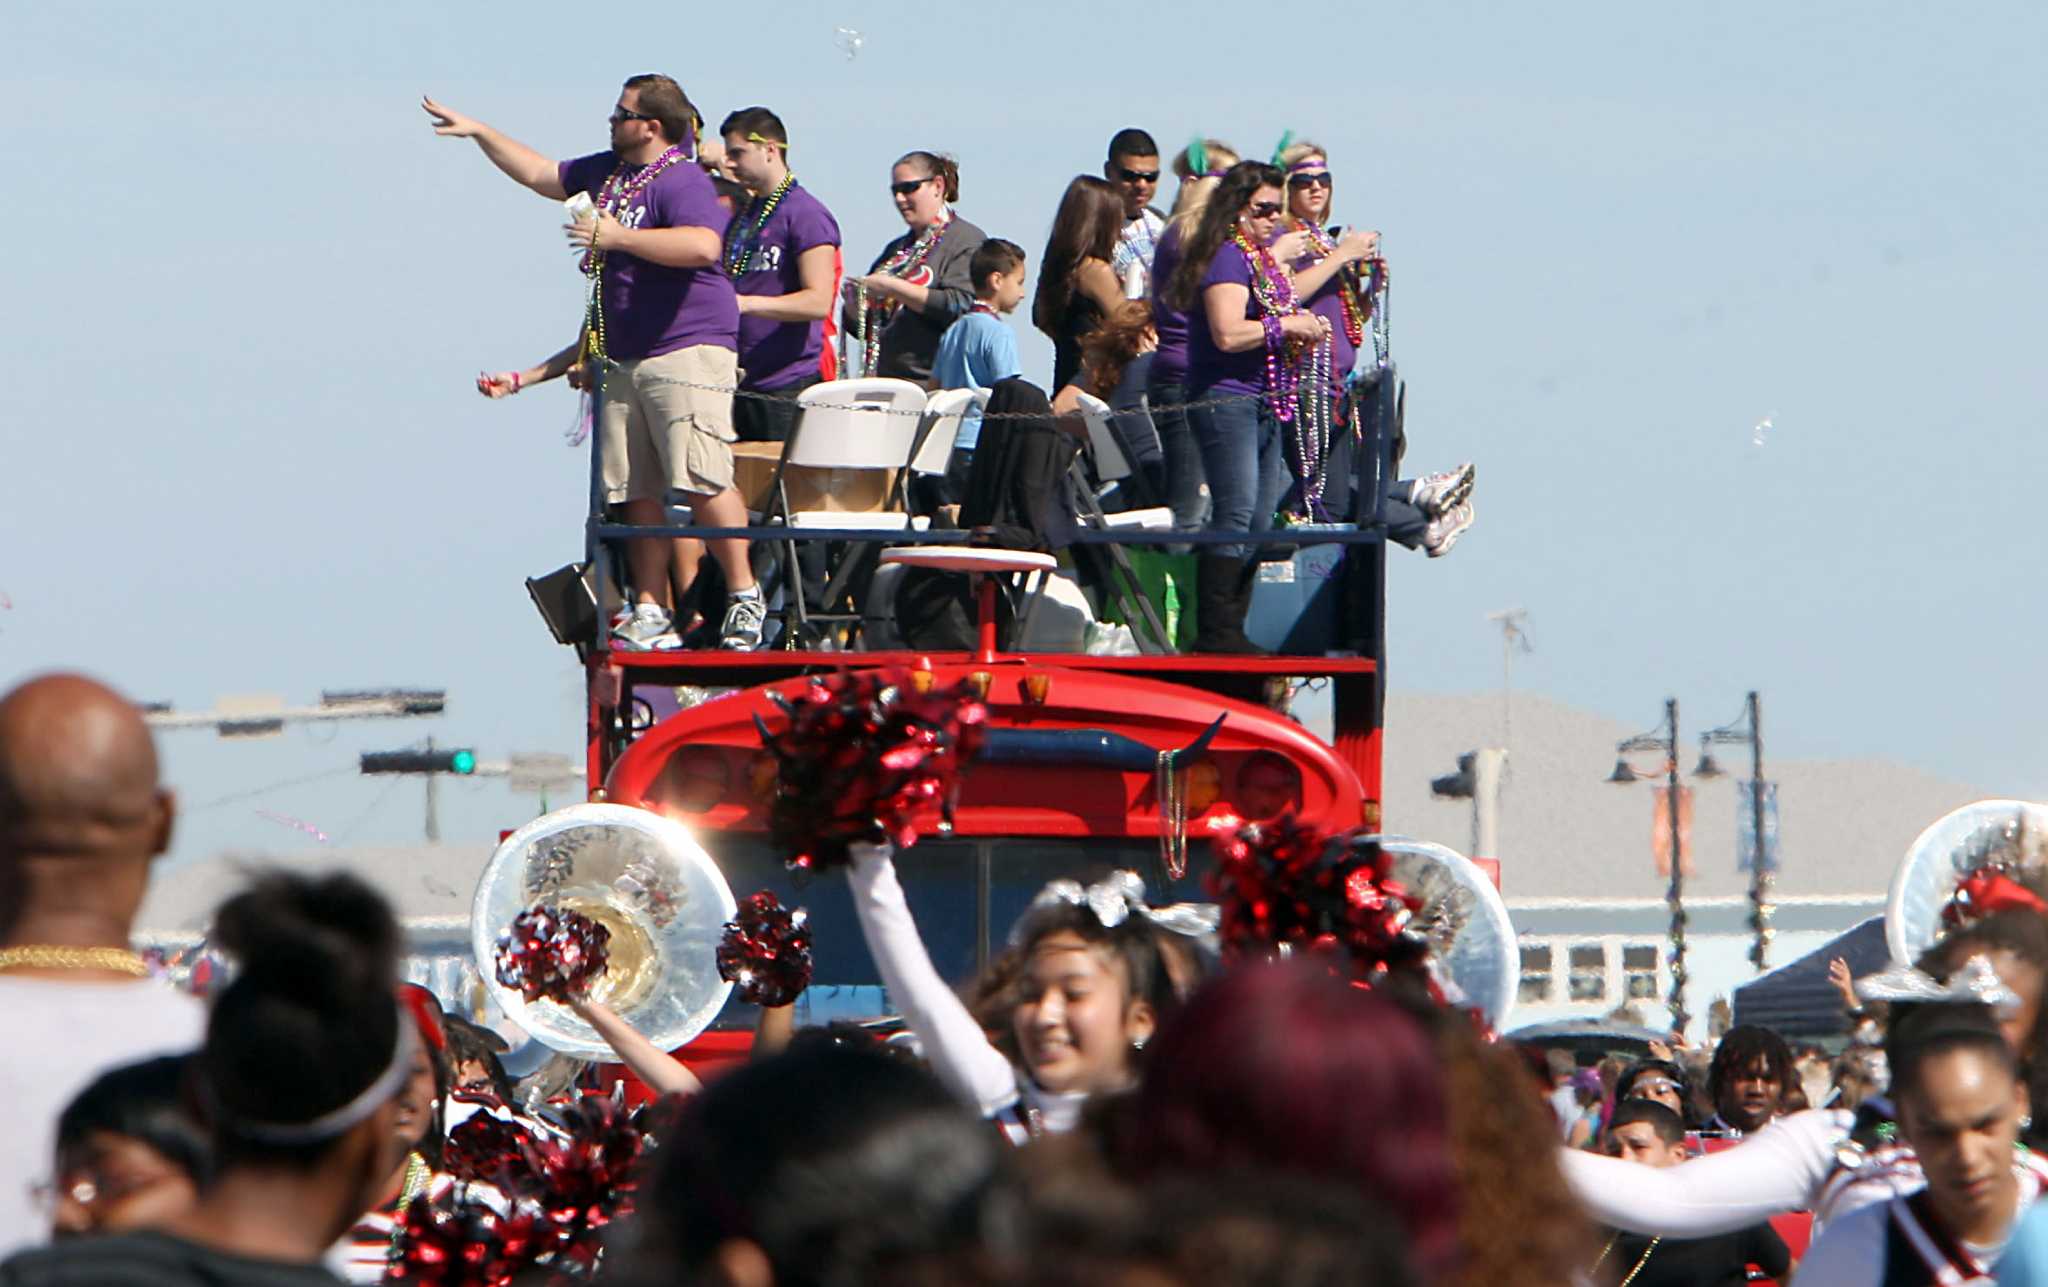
(866, 424)
(944, 413)
(1112, 466)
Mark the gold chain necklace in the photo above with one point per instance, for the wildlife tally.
(417, 1173)
(42, 957)
(1639, 1263)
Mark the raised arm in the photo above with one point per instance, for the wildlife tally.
(1780, 1168)
(662, 1072)
(523, 165)
(954, 1044)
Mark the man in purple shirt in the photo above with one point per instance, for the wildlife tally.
(666, 328)
(782, 253)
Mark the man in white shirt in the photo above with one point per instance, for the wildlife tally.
(1133, 170)
(82, 816)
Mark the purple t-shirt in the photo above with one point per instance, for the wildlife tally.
(1170, 363)
(774, 354)
(1210, 369)
(650, 309)
(1328, 304)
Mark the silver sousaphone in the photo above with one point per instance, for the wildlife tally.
(2011, 834)
(1465, 921)
(642, 876)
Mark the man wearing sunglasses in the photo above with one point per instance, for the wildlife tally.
(1133, 169)
(667, 323)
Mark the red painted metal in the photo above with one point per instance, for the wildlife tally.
(1006, 799)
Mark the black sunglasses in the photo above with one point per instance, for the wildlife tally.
(620, 115)
(1139, 176)
(909, 186)
(1299, 182)
(1263, 210)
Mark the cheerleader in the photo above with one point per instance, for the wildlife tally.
(1961, 1107)
(1091, 987)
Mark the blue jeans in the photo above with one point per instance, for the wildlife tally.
(1242, 455)
(1184, 475)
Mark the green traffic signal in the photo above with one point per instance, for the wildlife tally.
(463, 761)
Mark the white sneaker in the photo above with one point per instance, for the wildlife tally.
(746, 616)
(1445, 529)
(648, 628)
(1437, 494)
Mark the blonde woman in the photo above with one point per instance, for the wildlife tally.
(1200, 167)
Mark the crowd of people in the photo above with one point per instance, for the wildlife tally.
(1232, 338)
(1108, 1102)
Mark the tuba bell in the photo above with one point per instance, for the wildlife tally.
(642, 876)
(1471, 939)
(1989, 837)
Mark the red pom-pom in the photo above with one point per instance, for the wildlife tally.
(550, 952)
(460, 1238)
(487, 1148)
(866, 758)
(766, 951)
(1281, 889)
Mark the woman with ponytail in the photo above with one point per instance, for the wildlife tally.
(921, 283)
(307, 1052)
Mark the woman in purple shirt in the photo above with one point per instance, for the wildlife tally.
(1243, 330)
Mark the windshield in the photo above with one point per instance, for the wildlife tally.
(965, 895)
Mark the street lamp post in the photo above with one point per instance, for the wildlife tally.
(1665, 738)
(1750, 729)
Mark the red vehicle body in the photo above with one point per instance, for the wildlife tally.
(1016, 825)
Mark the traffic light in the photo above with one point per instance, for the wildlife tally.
(1459, 785)
(459, 760)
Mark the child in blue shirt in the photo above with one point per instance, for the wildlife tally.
(980, 348)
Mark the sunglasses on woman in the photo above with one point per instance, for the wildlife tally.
(908, 186)
(1263, 209)
(1301, 182)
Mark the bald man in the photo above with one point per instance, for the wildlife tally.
(82, 816)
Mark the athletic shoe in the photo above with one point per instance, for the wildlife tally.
(1438, 494)
(649, 627)
(1445, 529)
(745, 617)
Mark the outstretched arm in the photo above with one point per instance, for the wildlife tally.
(526, 167)
(663, 1073)
(505, 383)
(1780, 1168)
(954, 1044)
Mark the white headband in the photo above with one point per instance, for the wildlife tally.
(335, 1121)
(1115, 899)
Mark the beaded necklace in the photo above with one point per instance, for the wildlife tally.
(1350, 290)
(1639, 1263)
(871, 316)
(1297, 377)
(417, 1174)
(614, 197)
(741, 241)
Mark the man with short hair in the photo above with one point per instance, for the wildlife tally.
(665, 323)
(82, 817)
(1133, 170)
(1748, 1080)
(782, 253)
(1647, 1132)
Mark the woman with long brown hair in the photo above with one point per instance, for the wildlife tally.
(1076, 285)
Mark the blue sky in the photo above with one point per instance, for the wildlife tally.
(247, 289)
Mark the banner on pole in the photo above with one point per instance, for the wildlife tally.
(1745, 827)
(1660, 829)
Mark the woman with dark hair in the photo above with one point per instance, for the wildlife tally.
(1090, 988)
(1660, 1081)
(306, 1052)
(921, 283)
(129, 1154)
(823, 1164)
(1200, 168)
(1960, 1100)
(1077, 287)
(1286, 1067)
(364, 1253)
(1246, 336)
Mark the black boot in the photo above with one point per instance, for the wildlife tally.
(1222, 597)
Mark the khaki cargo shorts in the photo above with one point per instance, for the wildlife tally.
(658, 436)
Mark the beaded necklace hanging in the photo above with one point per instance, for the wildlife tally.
(614, 197)
(871, 316)
(1350, 290)
(1639, 1263)
(741, 241)
(1297, 377)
